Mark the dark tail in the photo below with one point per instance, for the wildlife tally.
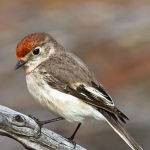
(120, 130)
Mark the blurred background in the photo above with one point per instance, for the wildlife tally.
(111, 36)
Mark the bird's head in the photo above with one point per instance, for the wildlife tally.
(34, 49)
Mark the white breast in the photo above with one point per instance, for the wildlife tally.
(67, 106)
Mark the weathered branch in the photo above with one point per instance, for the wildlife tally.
(26, 131)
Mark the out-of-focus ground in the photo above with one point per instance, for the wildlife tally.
(111, 36)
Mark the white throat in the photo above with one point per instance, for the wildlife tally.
(31, 65)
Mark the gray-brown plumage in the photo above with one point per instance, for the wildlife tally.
(69, 75)
(63, 83)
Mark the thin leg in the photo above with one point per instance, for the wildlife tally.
(51, 120)
(74, 133)
(41, 123)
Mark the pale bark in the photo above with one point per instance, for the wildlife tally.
(26, 131)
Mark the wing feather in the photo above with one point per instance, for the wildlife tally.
(67, 74)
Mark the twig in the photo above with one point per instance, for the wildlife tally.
(26, 131)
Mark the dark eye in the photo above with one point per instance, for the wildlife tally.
(36, 51)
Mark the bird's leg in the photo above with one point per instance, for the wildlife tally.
(51, 120)
(41, 123)
(74, 133)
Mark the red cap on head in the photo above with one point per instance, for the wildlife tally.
(28, 43)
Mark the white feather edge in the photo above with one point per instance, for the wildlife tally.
(99, 94)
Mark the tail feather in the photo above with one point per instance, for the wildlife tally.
(120, 130)
(121, 115)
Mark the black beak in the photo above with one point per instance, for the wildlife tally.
(19, 64)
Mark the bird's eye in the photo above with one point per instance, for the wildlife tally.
(36, 51)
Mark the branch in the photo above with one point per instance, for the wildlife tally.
(26, 131)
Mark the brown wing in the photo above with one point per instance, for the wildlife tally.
(69, 75)
(88, 97)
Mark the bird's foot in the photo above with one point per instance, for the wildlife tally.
(36, 120)
(71, 139)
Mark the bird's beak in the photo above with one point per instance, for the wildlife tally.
(19, 64)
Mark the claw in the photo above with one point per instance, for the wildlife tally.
(72, 141)
(36, 120)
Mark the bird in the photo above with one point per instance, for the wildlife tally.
(62, 82)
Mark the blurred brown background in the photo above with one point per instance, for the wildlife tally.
(111, 36)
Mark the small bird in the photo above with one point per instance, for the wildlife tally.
(60, 81)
